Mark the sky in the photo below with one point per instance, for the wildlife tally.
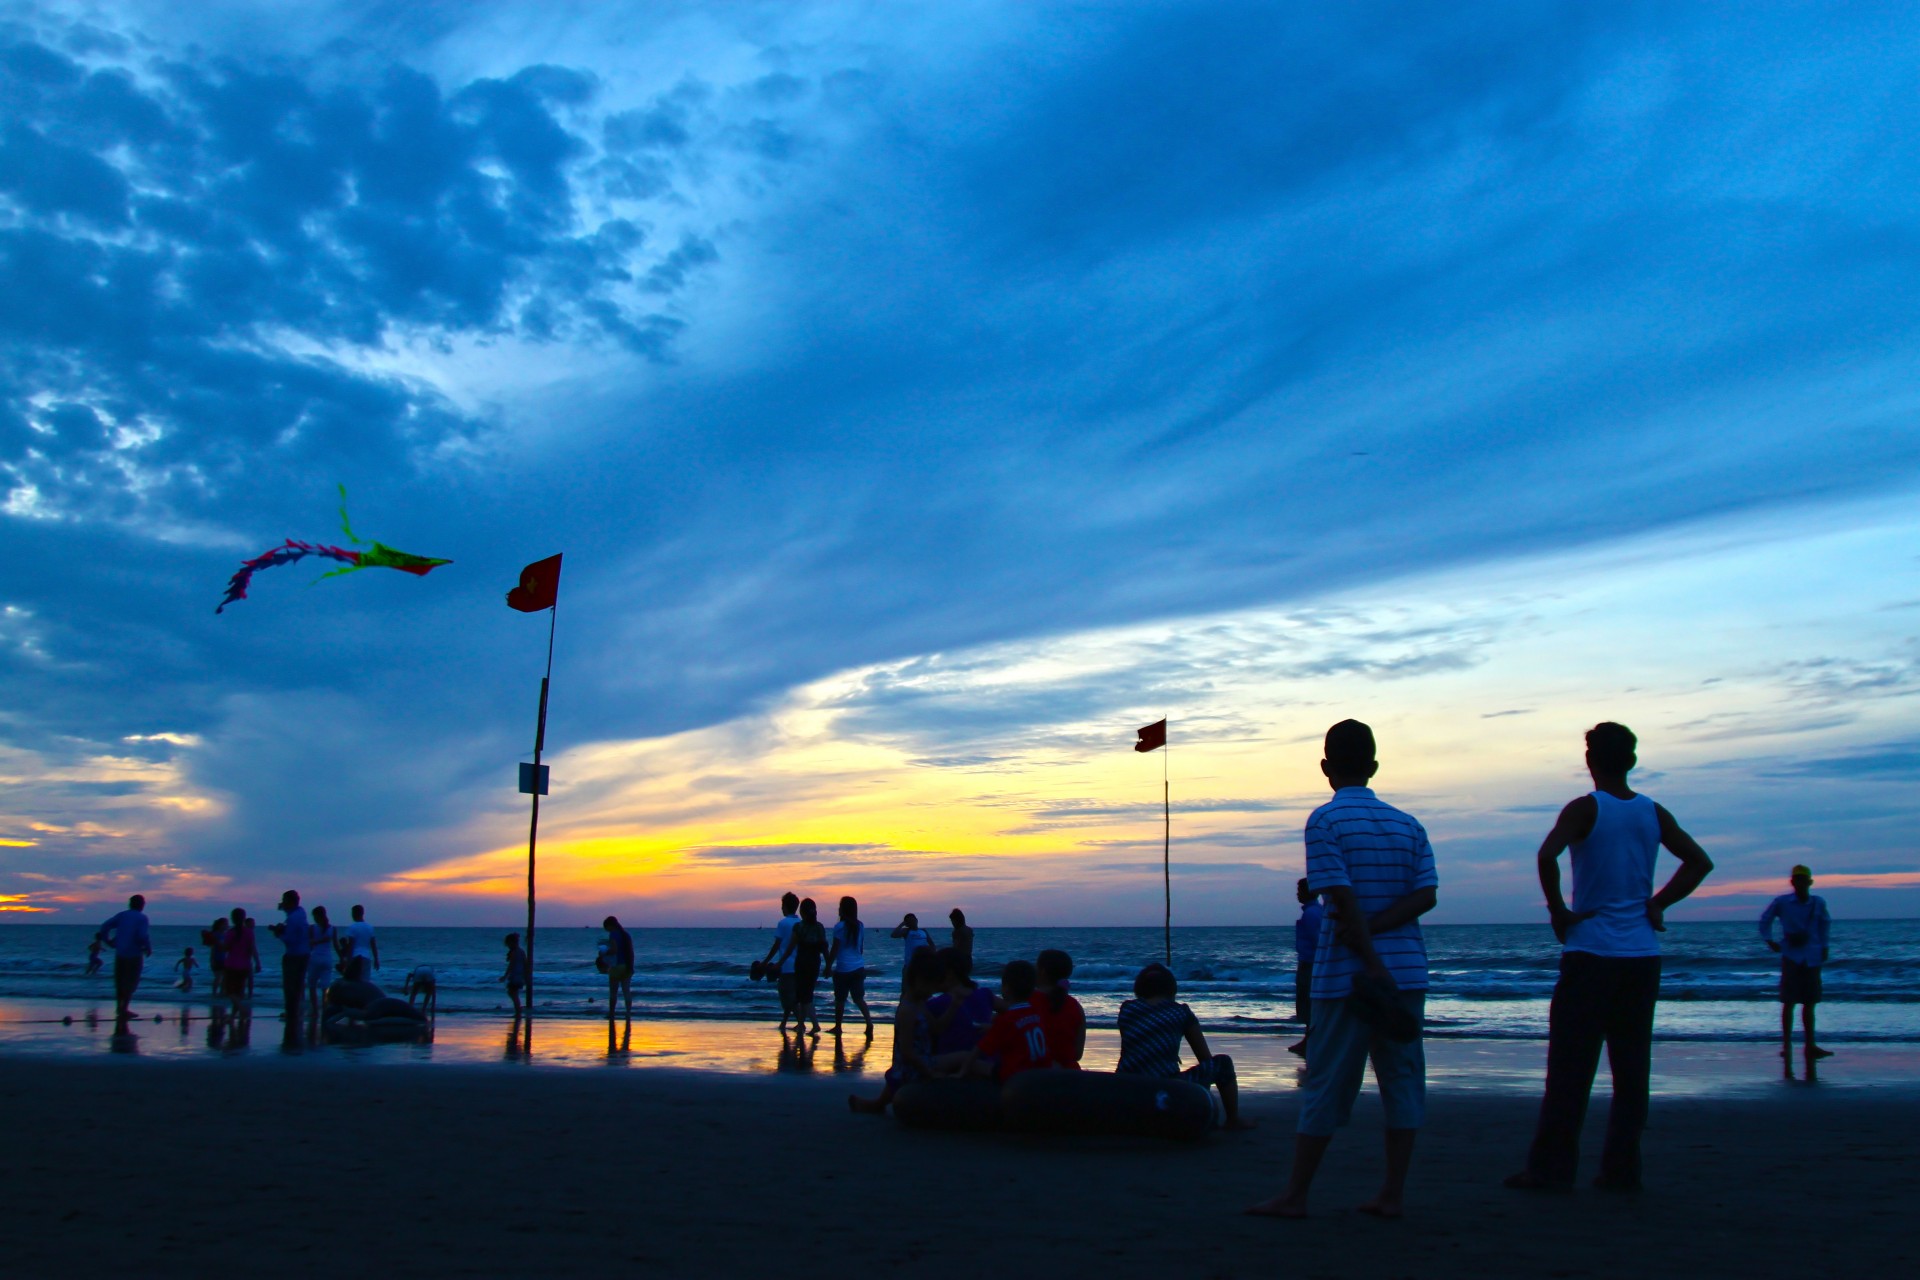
(924, 397)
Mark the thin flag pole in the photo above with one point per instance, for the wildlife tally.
(533, 829)
(1166, 847)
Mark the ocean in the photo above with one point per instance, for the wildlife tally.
(1488, 981)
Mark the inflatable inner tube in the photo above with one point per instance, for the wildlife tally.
(950, 1102)
(1098, 1102)
(391, 1007)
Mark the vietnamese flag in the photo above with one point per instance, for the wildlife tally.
(539, 586)
(1153, 737)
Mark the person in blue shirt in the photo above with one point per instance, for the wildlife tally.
(1306, 937)
(1805, 927)
(297, 938)
(128, 935)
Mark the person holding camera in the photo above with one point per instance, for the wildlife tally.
(1805, 926)
(297, 937)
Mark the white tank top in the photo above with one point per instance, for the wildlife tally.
(1613, 876)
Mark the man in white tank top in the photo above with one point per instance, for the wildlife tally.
(1610, 964)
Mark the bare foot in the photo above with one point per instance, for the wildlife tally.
(1299, 1047)
(1381, 1207)
(1278, 1207)
(1818, 1053)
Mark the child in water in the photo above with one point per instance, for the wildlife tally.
(93, 956)
(185, 966)
(912, 1041)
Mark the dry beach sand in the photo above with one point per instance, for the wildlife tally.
(296, 1167)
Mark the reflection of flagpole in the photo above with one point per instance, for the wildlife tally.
(533, 829)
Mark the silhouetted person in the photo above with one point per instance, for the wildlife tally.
(620, 962)
(806, 948)
(962, 933)
(362, 945)
(909, 931)
(129, 935)
(848, 962)
(779, 953)
(1306, 940)
(1805, 928)
(1610, 965)
(1374, 867)
(297, 937)
(516, 974)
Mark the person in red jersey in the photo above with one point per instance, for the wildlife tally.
(1065, 1020)
(1017, 1040)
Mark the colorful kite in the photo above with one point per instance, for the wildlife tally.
(375, 556)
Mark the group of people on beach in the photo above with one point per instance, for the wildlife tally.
(1362, 979)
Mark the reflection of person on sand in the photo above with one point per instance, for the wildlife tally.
(1374, 867)
(848, 962)
(128, 935)
(1066, 1021)
(1805, 930)
(1306, 940)
(1610, 966)
(185, 966)
(1153, 1024)
(912, 1042)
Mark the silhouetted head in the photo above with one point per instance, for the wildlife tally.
(1155, 982)
(958, 916)
(789, 903)
(189, 950)
(809, 910)
(359, 913)
(849, 910)
(922, 977)
(1610, 749)
(1016, 981)
(610, 923)
(1349, 755)
(238, 916)
(289, 900)
(1054, 968)
(1303, 893)
(954, 966)
(219, 924)
(1802, 879)
(320, 917)
(138, 902)
(513, 940)
(911, 920)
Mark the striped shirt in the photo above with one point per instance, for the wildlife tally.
(1361, 842)
(1150, 1036)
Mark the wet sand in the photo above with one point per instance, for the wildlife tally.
(129, 1165)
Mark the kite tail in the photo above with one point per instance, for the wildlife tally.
(285, 553)
(346, 526)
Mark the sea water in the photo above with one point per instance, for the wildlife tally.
(1719, 981)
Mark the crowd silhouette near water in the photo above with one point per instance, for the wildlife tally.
(1360, 994)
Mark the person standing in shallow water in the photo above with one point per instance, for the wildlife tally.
(848, 962)
(1610, 966)
(129, 936)
(1805, 927)
(1374, 867)
(962, 933)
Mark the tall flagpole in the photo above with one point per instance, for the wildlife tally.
(1166, 848)
(533, 830)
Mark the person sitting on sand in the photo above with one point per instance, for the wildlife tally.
(185, 966)
(1373, 866)
(1066, 1021)
(1610, 965)
(516, 975)
(960, 1012)
(1153, 1024)
(848, 962)
(912, 1042)
(1016, 1040)
(806, 948)
(1805, 929)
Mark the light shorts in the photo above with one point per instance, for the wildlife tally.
(319, 977)
(1337, 1054)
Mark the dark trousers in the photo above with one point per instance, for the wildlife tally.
(126, 976)
(293, 983)
(1599, 1000)
(1303, 993)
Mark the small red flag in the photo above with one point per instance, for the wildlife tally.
(539, 586)
(1153, 737)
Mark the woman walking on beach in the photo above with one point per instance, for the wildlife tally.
(808, 946)
(320, 963)
(848, 963)
(238, 964)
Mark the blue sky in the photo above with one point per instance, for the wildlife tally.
(867, 360)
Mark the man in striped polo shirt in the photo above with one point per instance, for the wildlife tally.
(1374, 867)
